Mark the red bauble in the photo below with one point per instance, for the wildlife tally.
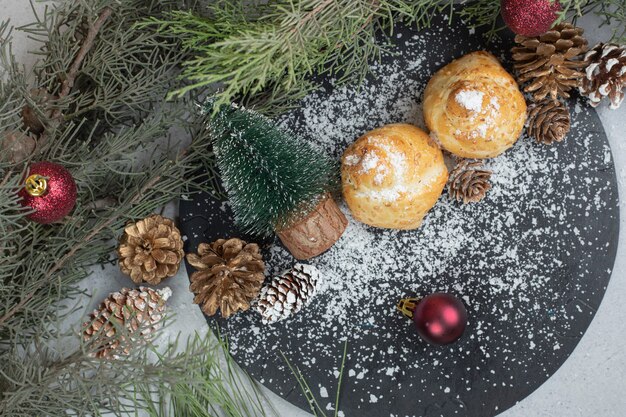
(530, 17)
(440, 318)
(50, 191)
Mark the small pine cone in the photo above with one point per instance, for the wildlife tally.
(605, 75)
(550, 62)
(548, 121)
(469, 182)
(151, 250)
(229, 275)
(288, 293)
(138, 311)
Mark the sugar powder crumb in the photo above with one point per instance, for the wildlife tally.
(507, 257)
(472, 100)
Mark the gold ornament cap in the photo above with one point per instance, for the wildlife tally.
(36, 185)
(407, 305)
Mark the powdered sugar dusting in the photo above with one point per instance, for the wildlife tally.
(369, 162)
(472, 100)
(527, 262)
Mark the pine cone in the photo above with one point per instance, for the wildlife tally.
(230, 274)
(136, 310)
(468, 182)
(151, 250)
(549, 62)
(548, 121)
(285, 295)
(605, 75)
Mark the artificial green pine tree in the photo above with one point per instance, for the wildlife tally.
(276, 182)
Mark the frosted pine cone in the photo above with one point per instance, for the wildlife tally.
(288, 293)
(549, 64)
(469, 182)
(151, 250)
(229, 276)
(548, 121)
(605, 75)
(139, 311)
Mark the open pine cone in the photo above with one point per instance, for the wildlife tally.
(229, 275)
(138, 311)
(468, 181)
(605, 75)
(288, 293)
(550, 62)
(548, 121)
(151, 250)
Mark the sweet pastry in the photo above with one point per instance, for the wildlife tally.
(474, 108)
(392, 176)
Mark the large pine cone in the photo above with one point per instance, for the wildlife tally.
(605, 75)
(151, 250)
(550, 62)
(137, 311)
(229, 275)
(468, 181)
(287, 294)
(548, 121)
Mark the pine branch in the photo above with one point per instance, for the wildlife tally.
(293, 40)
(42, 264)
(612, 12)
(68, 256)
(235, 395)
(277, 54)
(199, 368)
(68, 83)
(56, 117)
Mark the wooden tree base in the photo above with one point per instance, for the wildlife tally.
(316, 232)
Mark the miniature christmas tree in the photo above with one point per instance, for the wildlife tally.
(276, 182)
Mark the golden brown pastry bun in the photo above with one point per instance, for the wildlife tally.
(392, 176)
(474, 108)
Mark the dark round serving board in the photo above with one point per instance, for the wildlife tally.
(531, 261)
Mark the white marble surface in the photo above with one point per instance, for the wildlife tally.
(592, 380)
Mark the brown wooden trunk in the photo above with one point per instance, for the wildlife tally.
(316, 232)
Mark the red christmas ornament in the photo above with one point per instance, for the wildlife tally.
(50, 190)
(530, 17)
(439, 318)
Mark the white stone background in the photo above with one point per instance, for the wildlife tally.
(590, 383)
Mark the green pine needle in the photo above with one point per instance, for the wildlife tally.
(271, 176)
(315, 407)
(213, 387)
(272, 50)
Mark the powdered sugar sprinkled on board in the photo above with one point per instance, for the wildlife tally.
(524, 261)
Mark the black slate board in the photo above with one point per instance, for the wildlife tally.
(530, 300)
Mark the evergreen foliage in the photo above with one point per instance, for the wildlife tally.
(106, 120)
(107, 73)
(264, 53)
(271, 176)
